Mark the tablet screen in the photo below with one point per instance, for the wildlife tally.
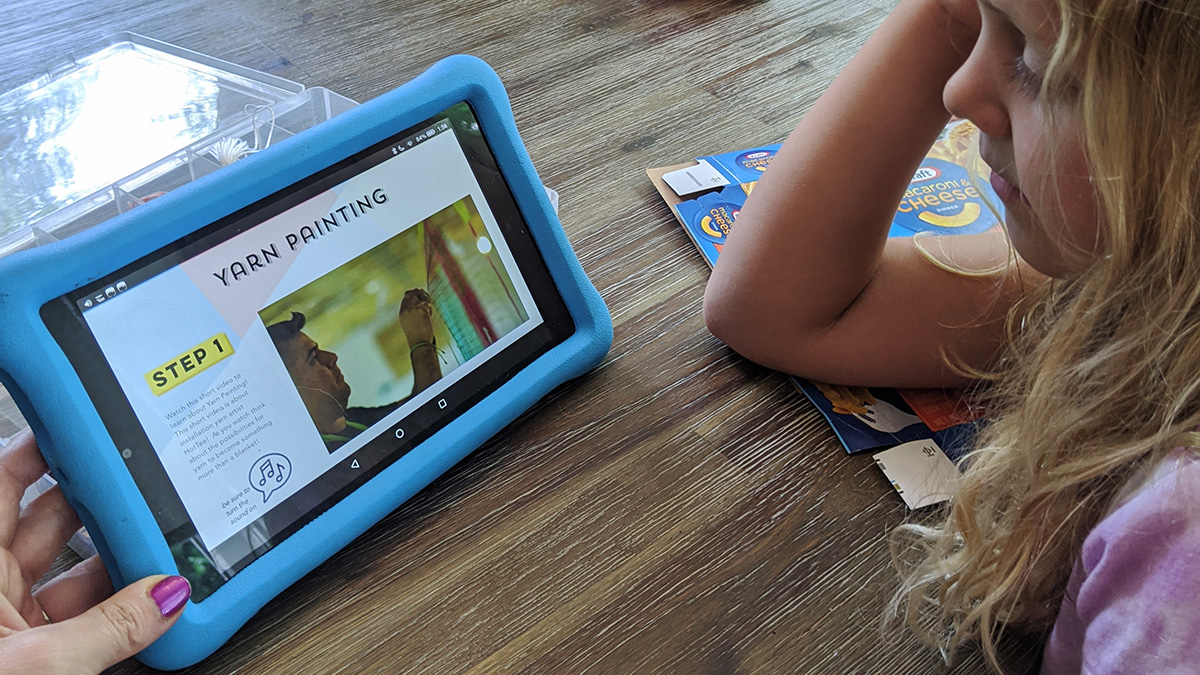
(259, 370)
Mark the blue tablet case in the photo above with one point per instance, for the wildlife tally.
(83, 457)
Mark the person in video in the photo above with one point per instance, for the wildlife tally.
(326, 393)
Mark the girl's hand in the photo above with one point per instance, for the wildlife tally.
(965, 13)
(74, 624)
(963, 25)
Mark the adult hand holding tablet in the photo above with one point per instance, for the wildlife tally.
(235, 380)
(74, 623)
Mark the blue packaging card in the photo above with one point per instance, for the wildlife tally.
(743, 166)
(709, 218)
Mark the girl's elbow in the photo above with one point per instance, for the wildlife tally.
(755, 331)
(716, 310)
(729, 320)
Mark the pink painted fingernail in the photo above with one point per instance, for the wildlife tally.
(171, 594)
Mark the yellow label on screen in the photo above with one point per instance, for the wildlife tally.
(188, 364)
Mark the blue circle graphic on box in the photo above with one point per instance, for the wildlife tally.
(942, 199)
(754, 160)
(715, 220)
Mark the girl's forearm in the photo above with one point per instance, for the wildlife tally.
(812, 233)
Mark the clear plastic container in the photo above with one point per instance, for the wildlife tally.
(264, 127)
(192, 114)
(68, 136)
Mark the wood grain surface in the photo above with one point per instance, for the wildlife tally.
(678, 510)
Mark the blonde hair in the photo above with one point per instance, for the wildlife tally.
(1101, 376)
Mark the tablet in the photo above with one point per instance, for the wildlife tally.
(234, 380)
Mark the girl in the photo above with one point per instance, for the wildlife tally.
(1078, 509)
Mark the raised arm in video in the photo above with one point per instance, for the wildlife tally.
(324, 389)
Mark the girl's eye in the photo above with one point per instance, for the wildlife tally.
(1029, 81)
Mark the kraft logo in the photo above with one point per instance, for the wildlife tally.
(925, 173)
(755, 159)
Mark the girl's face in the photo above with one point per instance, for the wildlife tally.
(1041, 177)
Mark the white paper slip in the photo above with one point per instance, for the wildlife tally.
(920, 472)
(696, 178)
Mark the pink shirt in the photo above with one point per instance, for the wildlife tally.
(1132, 603)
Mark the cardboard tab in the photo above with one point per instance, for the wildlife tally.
(920, 472)
(693, 179)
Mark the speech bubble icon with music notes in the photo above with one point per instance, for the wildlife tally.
(269, 473)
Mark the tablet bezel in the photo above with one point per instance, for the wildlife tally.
(66, 321)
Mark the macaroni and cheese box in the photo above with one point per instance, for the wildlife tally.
(949, 192)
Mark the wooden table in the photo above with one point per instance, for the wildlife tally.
(678, 510)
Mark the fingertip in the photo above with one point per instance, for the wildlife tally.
(171, 594)
(22, 459)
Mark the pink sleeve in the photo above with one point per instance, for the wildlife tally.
(1133, 600)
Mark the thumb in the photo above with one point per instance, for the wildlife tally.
(115, 629)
